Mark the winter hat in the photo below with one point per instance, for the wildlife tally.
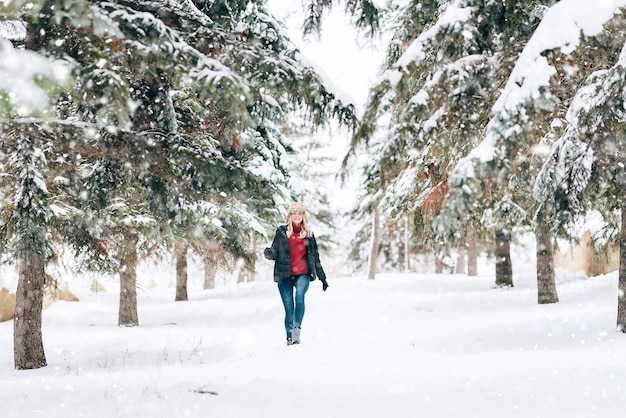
(296, 208)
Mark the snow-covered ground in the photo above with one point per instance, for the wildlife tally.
(403, 345)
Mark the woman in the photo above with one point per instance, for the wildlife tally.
(297, 263)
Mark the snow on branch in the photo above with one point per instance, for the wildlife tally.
(453, 15)
(12, 30)
(153, 34)
(560, 28)
(568, 171)
(19, 72)
(600, 88)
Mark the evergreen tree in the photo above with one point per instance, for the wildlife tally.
(24, 229)
(527, 108)
(445, 65)
(586, 169)
(135, 171)
(365, 15)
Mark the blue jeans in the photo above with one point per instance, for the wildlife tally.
(294, 307)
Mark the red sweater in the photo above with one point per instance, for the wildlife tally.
(297, 246)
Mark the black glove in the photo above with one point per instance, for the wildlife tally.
(324, 285)
(269, 253)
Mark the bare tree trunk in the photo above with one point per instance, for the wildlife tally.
(504, 268)
(28, 351)
(460, 261)
(407, 253)
(210, 269)
(472, 254)
(128, 281)
(241, 275)
(180, 249)
(373, 258)
(621, 291)
(546, 285)
(251, 273)
(438, 265)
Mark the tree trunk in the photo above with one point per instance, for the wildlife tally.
(407, 258)
(438, 265)
(251, 273)
(28, 348)
(621, 291)
(241, 275)
(460, 261)
(210, 269)
(373, 258)
(504, 268)
(181, 271)
(546, 285)
(128, 281)
(472, 254)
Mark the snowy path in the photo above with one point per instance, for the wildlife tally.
(399, 346)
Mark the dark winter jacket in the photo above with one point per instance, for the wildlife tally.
(280, 252)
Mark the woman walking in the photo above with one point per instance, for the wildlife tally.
(297, 263)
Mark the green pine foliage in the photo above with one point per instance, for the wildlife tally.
(445, 66)
(585, 171)
(174, 112)
(512, 133)
(168, 131)
(23, 231)
(365, 15)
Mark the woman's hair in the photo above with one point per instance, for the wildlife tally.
(298, 208)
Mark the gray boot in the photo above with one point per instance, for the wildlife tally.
(295, 335)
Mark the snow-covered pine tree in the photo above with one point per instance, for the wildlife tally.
(281, 85)
(533, 88)
(26, 217)
(549, 124)
(585, 172)
(26, 209)
(128, 59)
(445, 65)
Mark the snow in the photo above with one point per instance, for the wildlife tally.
(17, 72)
(12, 29)
(596, 91)
(561, 27)
(402, 345)
(454, 14)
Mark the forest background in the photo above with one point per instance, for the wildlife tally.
(133, 130)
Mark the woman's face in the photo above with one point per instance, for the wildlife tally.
(296, 218)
